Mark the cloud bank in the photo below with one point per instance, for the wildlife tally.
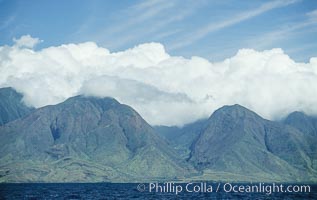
(164, 89)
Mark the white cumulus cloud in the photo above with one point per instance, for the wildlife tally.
(164, 89)
(26, 41)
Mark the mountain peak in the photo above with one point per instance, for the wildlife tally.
(302, 122)
(9, 91)
(11, 105)
(235, 111)
(91, 98)
(297, 115)
(234, 107)
(103, 102)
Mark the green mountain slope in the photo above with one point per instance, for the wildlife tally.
(307, 125)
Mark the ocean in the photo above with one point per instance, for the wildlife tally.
(88, 191)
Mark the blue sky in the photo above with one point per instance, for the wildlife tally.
(212, 29)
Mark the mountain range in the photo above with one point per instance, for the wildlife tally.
(90, 139)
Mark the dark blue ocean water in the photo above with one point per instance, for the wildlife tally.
(127, 191)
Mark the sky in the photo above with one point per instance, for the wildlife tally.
(211, 29)
(174, 62)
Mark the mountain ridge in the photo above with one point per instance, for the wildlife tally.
(91, 139)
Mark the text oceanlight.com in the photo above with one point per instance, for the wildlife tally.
(204, 187)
